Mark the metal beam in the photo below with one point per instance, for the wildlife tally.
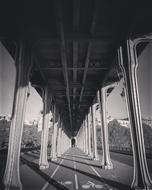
(60, 28)
(76, 18)
(39, 68)
(74, 69)
(64, 95)
(92, 30)
(74, 36)
(83, 105)
(60, 87)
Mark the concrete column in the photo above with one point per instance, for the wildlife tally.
(62, 141)
(84, 144)
(78, 139)
(86, 135)
(81, 139)
(11, 177)
(128, 62)
(43, 162)
(59, 141)
(89, 134)
(106, 160)
(65, 142)
(94, 137)
(54, 135)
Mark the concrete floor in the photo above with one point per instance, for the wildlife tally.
(75, 170)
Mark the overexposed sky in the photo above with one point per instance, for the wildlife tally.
(7, 81)
(34, 105)
(116, 105)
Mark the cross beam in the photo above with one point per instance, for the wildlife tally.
(76, 18)
(60, 28)
(74, 69)
(92, 30)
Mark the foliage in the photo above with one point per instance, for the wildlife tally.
(120, 137)
(30, 137)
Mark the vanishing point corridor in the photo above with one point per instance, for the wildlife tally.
(75, 95)
(75, 170)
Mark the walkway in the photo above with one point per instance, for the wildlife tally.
(74, 170)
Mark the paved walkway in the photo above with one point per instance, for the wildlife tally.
(74, 170)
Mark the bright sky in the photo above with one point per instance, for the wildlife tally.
(116, 106)
(34, 105)
(7, 81)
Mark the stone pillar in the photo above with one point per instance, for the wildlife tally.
(89, 134)
(81, 139)
(59, 140)
(67, 142)
(84, 144)
(11, 178)
(94, 136)
(106, 160)
(129, 63)
(54, 135)
(62, 140)
(78, 139)
(43, 162)
(86, 135)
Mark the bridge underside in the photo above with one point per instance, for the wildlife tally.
(73, 52)
(74, 45)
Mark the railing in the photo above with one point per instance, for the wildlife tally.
(123, 150)
(4, 150)
(3, 156)
(128, 150)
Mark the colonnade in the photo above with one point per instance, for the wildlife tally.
(86, 137)
(11, 178)
(128, 62)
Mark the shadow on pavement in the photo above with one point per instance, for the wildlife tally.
(51, 181)
(114, 184)
(76, 156)
(3, 158)
(85, 163)
(33, 155)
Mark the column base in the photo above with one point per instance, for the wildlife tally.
(90, 156)
(53, 159)
(141, 188)
(44, 166)
(12, 182)
(9, 187)
(95, 158)
(107, 167)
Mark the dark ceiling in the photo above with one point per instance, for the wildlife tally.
(74, 43)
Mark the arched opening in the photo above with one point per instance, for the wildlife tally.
(73, 142)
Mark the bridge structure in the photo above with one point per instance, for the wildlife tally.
(73, 53)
